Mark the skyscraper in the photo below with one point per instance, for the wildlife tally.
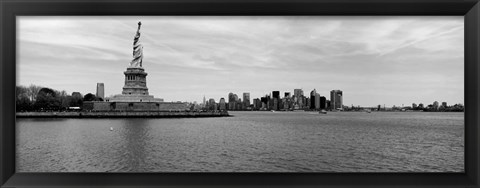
(298, 93)
(100, 91)
(309, 102)
(336, 99)
(257, 104)
(222, 105)
(276, 94)
(236, 102)
(312, 98)
(211, 104)
(287, 94)
(275, 100)
(231, 101)
(317, 101)
(204, 100)
(246, 99)
(264, 101)
(239, 105)
(230, 97)
(284, 104)
(323, 102)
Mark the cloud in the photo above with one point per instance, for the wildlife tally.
(216, 55)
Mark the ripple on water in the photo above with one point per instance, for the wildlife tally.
(247, 142)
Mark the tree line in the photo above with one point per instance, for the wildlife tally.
(38, 98)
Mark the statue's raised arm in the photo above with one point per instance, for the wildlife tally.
(137, 49)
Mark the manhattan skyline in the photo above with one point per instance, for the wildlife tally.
(375, 60)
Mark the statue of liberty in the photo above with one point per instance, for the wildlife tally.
(137, 49)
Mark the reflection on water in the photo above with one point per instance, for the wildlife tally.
(247, 142)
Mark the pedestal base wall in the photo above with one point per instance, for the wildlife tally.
(134, 106)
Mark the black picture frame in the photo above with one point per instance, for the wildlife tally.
(9, 9)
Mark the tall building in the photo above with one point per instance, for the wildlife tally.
(235, 97)
(284, 103)
(276, 105)
(222, 105)
(100, 91)
(308, 102)
(323, 102)
(264, 101)
(312, 99)
(336, 99)
(236, 102)
(287, 94)
(298, 92)
(231, 101)
(211, 104)
(246, 99)
(276, 94)
(299, 98)
(257, 104)
(239, 105)
(317, 101)
(230, 97)
(206, 105)
(275, 100)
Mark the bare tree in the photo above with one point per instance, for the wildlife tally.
(32, 92)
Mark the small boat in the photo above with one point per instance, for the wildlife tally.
(368, 111)
(272, 110)
(322, 112)
(111, 128)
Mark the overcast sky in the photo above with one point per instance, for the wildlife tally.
(373, 60)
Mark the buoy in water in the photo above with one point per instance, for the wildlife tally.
(111, 128)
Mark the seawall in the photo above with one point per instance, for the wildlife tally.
(134, 114)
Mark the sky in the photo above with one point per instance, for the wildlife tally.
(389, 60)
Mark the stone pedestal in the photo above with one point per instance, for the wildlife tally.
(135, 81)
(135, 88)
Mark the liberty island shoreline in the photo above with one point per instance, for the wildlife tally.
(125, 114)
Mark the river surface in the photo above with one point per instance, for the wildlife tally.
(246, 142)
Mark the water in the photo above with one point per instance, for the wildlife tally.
(247, 142)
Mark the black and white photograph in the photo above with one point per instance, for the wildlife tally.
(328, 94)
